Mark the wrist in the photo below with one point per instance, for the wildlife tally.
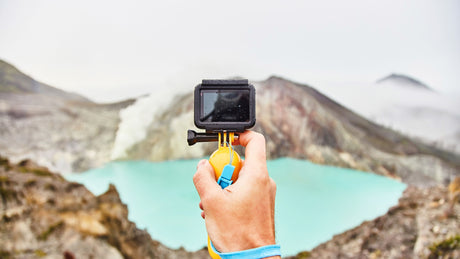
(268, 251)
(242, 242)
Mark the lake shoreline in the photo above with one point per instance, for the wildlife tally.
(346, 188)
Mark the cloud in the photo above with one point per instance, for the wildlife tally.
(87, 46)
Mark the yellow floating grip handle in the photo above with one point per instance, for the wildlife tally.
(211, 252)
(221, 157)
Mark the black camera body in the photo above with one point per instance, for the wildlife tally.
(221, 107)
(225, 105)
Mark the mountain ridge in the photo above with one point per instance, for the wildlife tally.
(12, 80)
(404, 79)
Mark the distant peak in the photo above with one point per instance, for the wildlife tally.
(404, 80)
(274, 77)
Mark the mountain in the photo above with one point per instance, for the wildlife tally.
(14, 81)
(42, 214)
(406, 105)
(403, 80)
(298, 121)
(62, 131)
(68, 134)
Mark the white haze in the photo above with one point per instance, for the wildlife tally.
(111, 50)
(136, 119)
(431, 116)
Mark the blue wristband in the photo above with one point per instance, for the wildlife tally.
(255, 253)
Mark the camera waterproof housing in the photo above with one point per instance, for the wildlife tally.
(225, 105)
(222, 106)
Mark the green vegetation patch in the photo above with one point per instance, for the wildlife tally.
(40, 253)
(35, 171)
(7, 194)
(45, 234)
(5, 254)
(41, 172)
(30, 182)
(4, 162)
(444, 247)
(303, 255)
(50, 187)
(4, 179)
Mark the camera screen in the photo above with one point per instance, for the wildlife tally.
(225, 105)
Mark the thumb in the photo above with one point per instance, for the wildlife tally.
(204, 179)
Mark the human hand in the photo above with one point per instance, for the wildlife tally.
(241, 216)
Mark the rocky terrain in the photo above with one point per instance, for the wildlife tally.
(43, 215)
(62, 131)
(298, 121)
(420, 226)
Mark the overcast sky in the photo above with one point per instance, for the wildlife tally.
(111, 50)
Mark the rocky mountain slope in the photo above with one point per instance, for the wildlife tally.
(62, 131)
(298, 121)
(420, 226)
(41, 214)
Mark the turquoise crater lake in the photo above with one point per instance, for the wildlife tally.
(313, 202)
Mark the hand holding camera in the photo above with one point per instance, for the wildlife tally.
(239, 215)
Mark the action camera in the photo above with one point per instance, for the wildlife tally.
(221, 107)
(225, 105)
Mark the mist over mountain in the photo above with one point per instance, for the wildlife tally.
(405, 105)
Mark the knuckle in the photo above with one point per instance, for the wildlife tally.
(259, 137)
(196, 178)
(260, 177)
(264, 180)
